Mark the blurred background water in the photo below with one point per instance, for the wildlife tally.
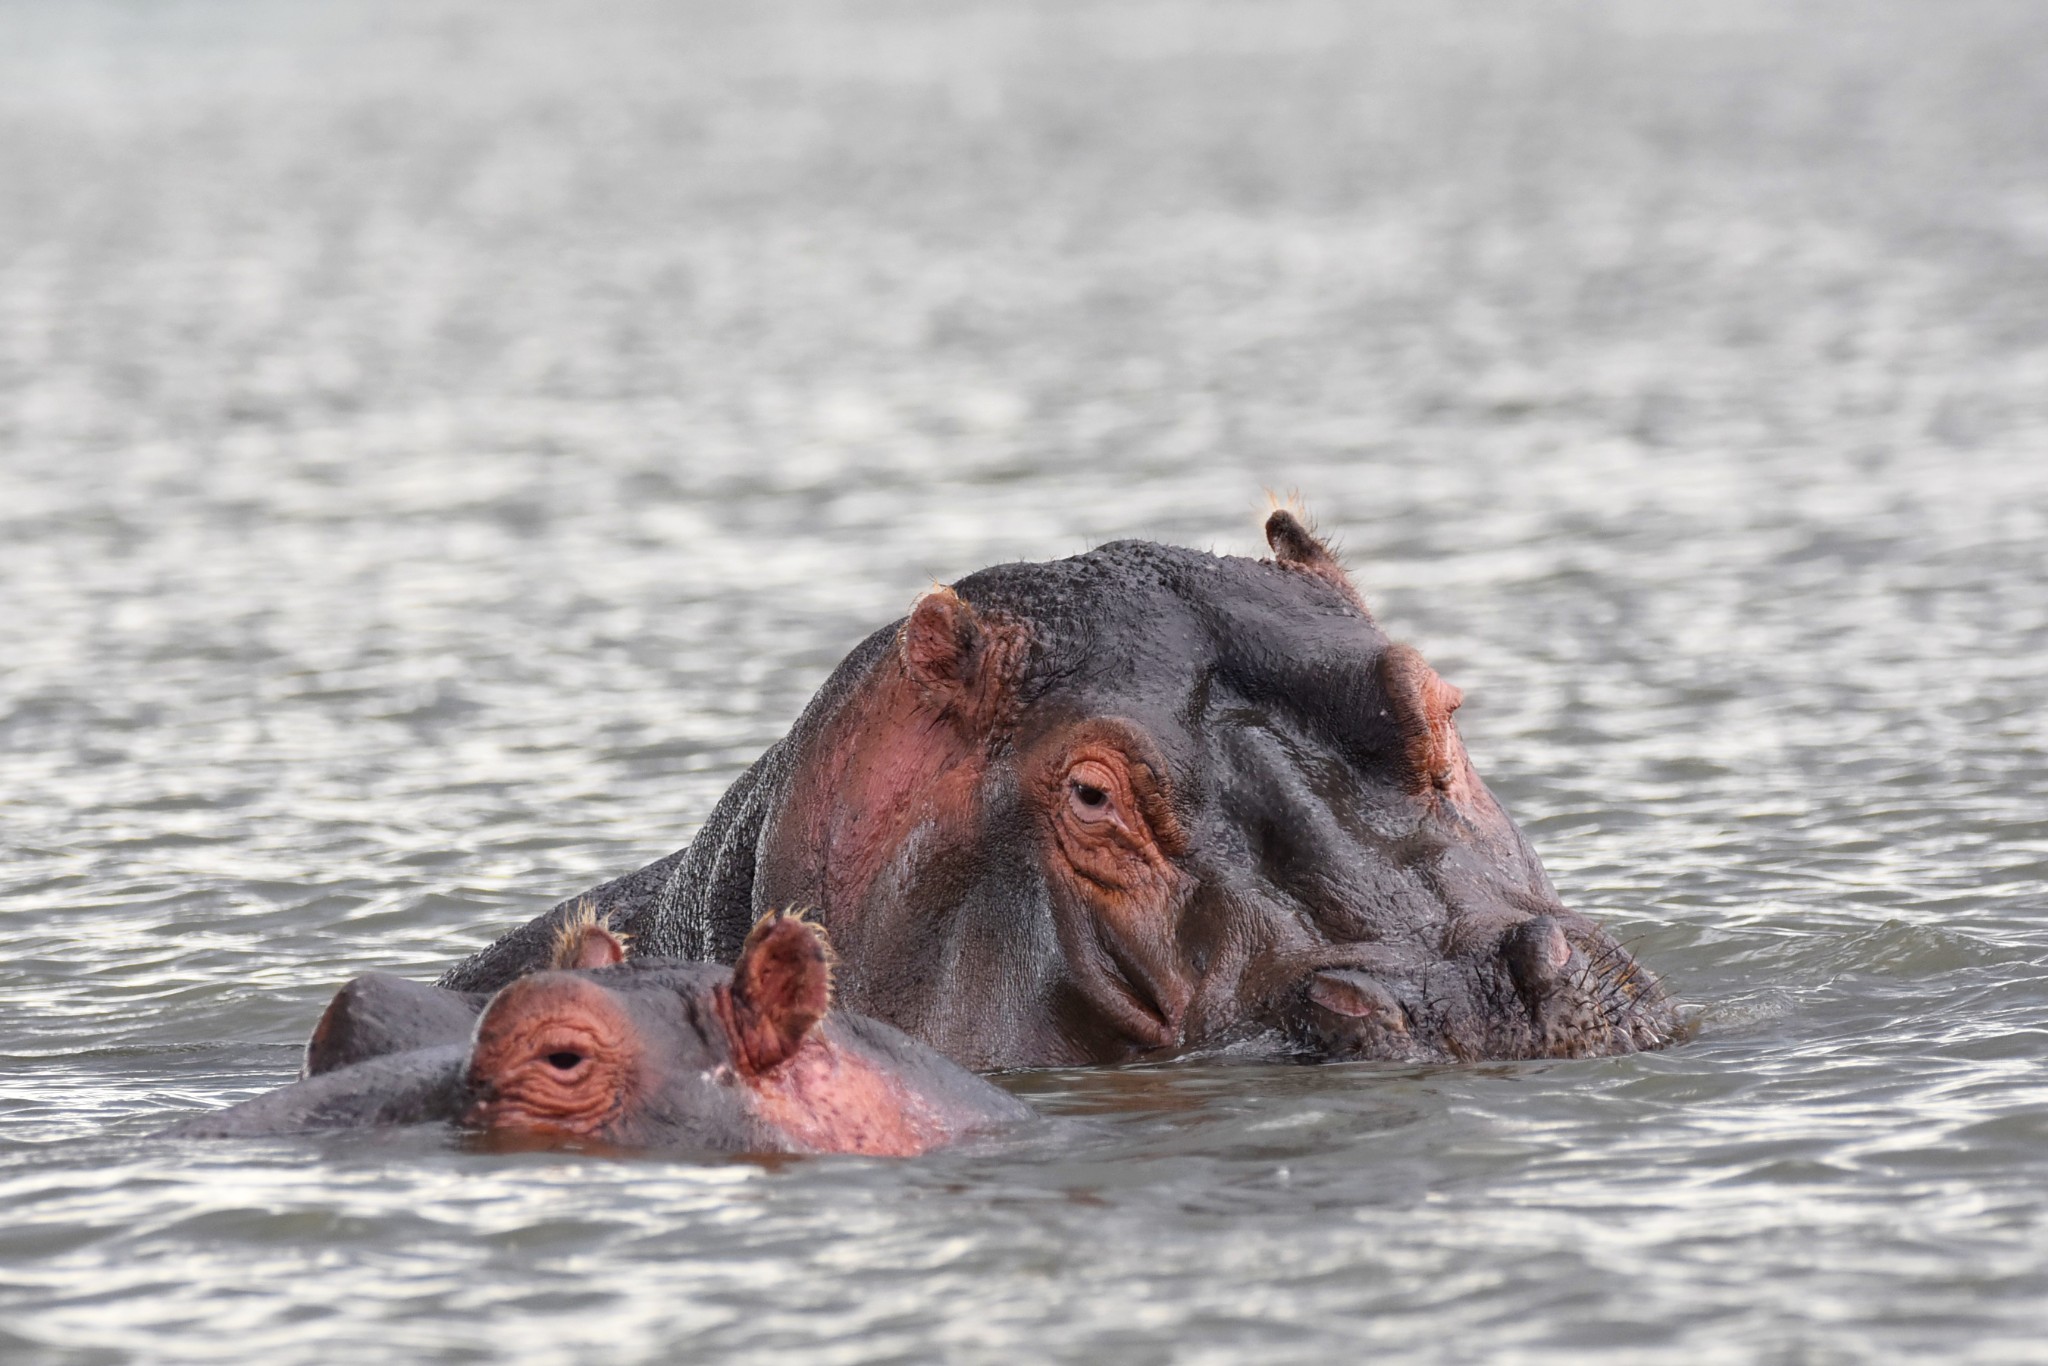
(442, 442)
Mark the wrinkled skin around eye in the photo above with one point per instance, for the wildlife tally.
(1099, 825)
(554, 1056)
(1113, 879)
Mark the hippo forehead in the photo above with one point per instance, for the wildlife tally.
(666, 975)
(670, 1000)
(1166, 637)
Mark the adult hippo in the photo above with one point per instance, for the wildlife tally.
(1135, 803)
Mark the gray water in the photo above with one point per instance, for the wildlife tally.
(442, 443)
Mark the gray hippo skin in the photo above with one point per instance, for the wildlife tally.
(1136, 803)
(651, 1053)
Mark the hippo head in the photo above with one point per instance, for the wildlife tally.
(665, 1054)
(652, 1054)
(1148, 800)
(646, 1053)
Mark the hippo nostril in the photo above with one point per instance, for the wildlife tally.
(1354, 995)
(1537, 955)
(564, 1061)
(1345, 1013)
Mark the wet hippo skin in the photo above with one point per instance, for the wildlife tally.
(650, 1053)
(1135, 803)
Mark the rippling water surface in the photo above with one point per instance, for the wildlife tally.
(442, 443)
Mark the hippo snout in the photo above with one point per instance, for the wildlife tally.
(1551, 985)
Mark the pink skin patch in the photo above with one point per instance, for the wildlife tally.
(907, 751)
(816, 1095)
(556, 1057)
(827, 1099)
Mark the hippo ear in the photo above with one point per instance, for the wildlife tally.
(957, 658)
(1433, 757)
(593, 946)
(781, 987)
(585, 941)
(1296, 547)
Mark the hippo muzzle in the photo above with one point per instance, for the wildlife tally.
(1548, 986)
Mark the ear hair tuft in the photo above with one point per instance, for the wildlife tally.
(806, 916)
(1296, 546)
(781, 987)
(585, 939)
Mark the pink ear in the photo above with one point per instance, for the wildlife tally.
(583, 940)
(781, 987)
(960, 662)
(596, 947)
(940, 641)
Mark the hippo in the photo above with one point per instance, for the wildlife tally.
(378, 1014)
(1140, 803)
(647, 1053)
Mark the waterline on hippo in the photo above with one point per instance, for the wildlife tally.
(1138, 803)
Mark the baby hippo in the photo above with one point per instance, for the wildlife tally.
(651, 1053)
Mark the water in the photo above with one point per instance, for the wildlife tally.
(441, 443)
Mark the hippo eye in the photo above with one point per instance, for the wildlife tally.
(564, 1061)
(1089, 793)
